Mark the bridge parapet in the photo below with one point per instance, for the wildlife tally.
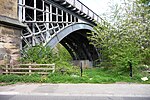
(81, 9)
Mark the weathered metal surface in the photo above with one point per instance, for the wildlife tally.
(51, 21)
(66, 31)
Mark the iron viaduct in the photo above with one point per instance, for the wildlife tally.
(25, 23)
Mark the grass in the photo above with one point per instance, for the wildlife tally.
(95, 75)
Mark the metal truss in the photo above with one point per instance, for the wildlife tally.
(44, 18)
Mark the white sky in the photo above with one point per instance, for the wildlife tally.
(99, 6)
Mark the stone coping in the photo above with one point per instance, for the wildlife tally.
(4, 20)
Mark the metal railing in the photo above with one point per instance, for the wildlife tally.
(86, 10)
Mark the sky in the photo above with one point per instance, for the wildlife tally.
(100, 6)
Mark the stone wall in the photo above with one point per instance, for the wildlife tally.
(8, 8)
(9, 44)
(10, 29)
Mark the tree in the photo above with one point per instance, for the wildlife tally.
(127, 38)
(146, 2)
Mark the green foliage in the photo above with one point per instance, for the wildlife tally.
(126, 39)
(38, 54)
(63, 53)
(44, 55)
(63, 60)
(96, 75)
(145, 1)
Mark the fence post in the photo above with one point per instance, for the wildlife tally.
(81, 68)
(53, 66)
(29, 70)
(130, 68)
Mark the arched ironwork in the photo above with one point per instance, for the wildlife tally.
(50, 21)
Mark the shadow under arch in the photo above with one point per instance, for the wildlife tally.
(74, 39)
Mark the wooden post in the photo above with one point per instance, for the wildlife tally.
(53, 66)
(29, 70)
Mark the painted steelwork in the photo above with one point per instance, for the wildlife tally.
(49, 22)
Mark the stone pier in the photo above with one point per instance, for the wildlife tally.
(10, 31)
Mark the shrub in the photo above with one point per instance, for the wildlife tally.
(44, 55)
(126, 39)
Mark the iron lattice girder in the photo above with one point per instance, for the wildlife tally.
(44, 18)
(47, 21)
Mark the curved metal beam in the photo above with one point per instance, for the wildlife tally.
(66, 31)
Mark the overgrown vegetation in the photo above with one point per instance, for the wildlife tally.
(96, 75)
(45, 55)
(126, 39)
(38, 54)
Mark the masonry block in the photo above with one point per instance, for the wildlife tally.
(8, 8)
(9, 44)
